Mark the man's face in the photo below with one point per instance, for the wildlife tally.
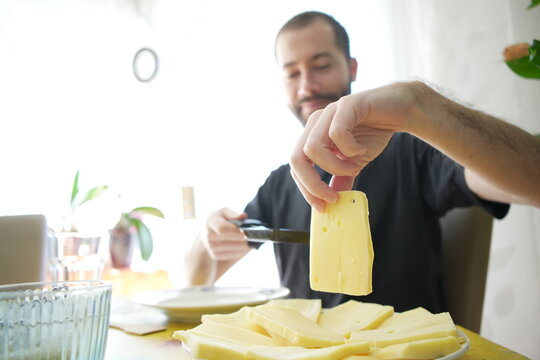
(315, 71)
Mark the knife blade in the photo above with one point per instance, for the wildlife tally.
(257, 231)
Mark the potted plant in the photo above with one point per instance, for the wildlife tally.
(130, 226)
(523, 58)
(128, 229)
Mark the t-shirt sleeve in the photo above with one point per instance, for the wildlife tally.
(257, 208)
(444, 186)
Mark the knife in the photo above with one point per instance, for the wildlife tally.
(257, 231)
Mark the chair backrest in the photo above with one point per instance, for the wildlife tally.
(23, 251)
(465, 249)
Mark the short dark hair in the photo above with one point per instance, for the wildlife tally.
(306, 18)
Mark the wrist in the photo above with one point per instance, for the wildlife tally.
(419, 115)
(419, 93)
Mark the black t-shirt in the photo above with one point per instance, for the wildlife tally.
(409, 187)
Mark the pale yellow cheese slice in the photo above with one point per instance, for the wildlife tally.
(341, 251)
(310, 308)
(405, 317)
(221, 341)
(422, 349)
(211, 348)
(294, 327)
(238, 318)
(337, 352)
(353, 316)
(235, 333)
(438, 325)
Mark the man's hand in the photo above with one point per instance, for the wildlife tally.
(500, 159)
(344, 137)
(224, 240)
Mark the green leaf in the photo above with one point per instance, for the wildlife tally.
(534, 53)
(533, 4)
(93, 193)
(524, 68)
(75, 189)
(147, 210)
(145, 238)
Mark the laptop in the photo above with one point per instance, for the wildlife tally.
(23, 249)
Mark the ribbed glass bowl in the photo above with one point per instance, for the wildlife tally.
(54, 320)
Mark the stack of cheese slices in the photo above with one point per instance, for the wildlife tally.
(301, 329)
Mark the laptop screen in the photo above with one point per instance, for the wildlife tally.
(23, 250)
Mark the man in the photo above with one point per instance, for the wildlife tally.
(312, 50)
(409, 186)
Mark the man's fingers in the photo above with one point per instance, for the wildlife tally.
(232, 215)
(317, 202)
(218, 222)
(320, 148)
(309, 182)
(221, 254)
(341, 130)
(217, 245)
(229, 245)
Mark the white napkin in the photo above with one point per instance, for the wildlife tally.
(136, 319)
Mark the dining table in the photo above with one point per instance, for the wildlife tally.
(160, 344)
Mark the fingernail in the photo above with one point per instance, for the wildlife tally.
(332, 199)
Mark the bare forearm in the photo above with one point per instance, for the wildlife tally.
(200, 268)
(498, 156)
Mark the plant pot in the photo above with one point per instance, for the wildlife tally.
(122, 244)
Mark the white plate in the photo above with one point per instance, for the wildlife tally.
(465, 345)
(455, 355)
(187, 305)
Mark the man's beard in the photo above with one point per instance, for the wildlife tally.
(329, 97)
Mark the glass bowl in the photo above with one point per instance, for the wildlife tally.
(54, 320)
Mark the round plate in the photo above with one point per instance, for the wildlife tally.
(189, 304)
(465, 345)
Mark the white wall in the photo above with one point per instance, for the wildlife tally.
(457, 45)
(214, 117)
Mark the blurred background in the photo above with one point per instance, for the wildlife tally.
(214, 115)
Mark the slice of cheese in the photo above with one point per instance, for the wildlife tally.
(300, 353)
(238, 318)
(353, 316)
(288, 335)
(405, 317)
(438, 325)
(341, 251)
(422, 349)
(211, 348)
(294, 327)
(230, 332)
(221, 341)
(310, 308)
